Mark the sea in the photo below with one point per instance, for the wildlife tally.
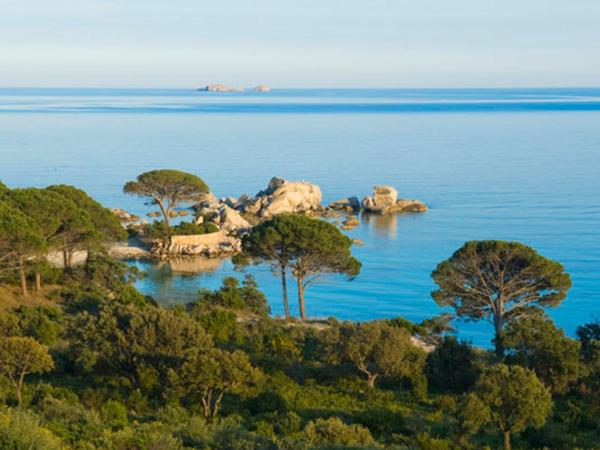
(514, 164)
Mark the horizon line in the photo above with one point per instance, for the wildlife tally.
(250, 88)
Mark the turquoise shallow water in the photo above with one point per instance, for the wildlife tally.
(507, 164)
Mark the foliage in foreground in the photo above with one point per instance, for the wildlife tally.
(100, 366)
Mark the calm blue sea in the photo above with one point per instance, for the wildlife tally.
(519, 164)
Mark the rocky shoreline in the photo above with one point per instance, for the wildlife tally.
(234, 217)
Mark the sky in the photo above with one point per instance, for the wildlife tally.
(300, 43)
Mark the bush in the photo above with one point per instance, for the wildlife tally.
(21, 430)
(233, 296)
(237, 438)
(158, 229)
(114, 414)
(452, 367)
(145, 437)
(332, 433)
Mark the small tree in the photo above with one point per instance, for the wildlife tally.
(536, 343)
(379, 350)
(139, 344)
(208, 375)
(233, 296)
(64, 226)
(167, 189)
(499, 281)
(4, 190)
(107, 226)
(589, 337)
(19, 238)
(272, 241)
(511, 398)
(452, 366)
(21, 356)
(310, 247)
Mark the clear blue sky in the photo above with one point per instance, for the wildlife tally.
(300, 43)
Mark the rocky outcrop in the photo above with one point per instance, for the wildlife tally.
(236, 216)
(219, 87)
(211, 245)
(350, 223)
(125, 217)
(262, 88)
(403, 205)
(222, 213)
(229, 220)
(282, 196)
(350, 204)
(385, 201)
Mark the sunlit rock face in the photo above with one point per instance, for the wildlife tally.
(385, 201)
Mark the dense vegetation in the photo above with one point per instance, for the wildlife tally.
(158, 229)
(93, 364)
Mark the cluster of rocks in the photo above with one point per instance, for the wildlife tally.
(280, 196)
(125, 217)
(235, 216)
(383, 201)
(210, 245)
(219, 87)
(220, 213)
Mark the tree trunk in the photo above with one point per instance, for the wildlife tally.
(207, 403)
(166, 213)
(286, 304)
(23, 277)
(498, 338)
(217, 404)
(38, 282)
(19, 401)
(301, 298)
(19, 386)
(371, 378)
(506, 438)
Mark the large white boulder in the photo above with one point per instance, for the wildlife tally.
(231, 220)
(282, 196)
(385, 201)
(384, 197)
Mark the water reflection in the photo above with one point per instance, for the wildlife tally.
(178, 279)
(195, 265)
(383, 225)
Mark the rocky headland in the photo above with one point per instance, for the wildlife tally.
(233, 217)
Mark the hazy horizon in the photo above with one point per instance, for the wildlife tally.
(249, 87)
(335, 44)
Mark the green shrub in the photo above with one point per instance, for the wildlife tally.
(21, 430)
(233, 296)
(452, 366)
(238, 438)
(334, 433)
(158, 229)
(114, 414)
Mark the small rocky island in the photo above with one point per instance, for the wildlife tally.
(262, 88)
(231, 217)
(219, 87)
